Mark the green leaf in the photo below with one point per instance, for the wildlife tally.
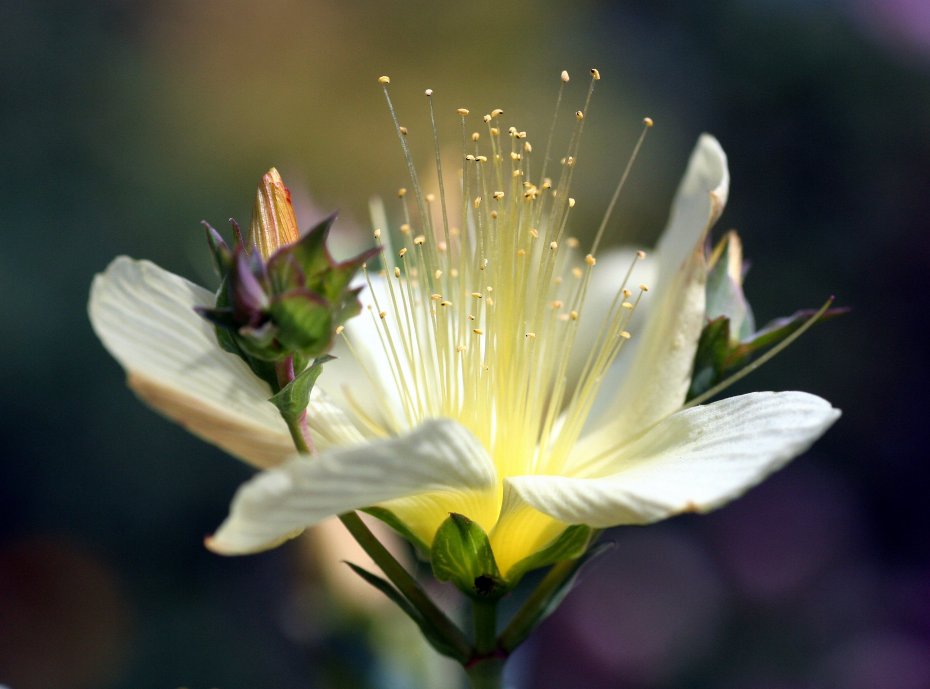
(293, 398)
(461, 553)
(570, 544)
(776, 331)
(432, 635)
(544, 600)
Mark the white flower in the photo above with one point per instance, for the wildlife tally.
(456, 394)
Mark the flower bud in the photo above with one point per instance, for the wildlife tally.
(274, 224)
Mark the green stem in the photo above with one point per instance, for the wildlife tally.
(486, 674)
(484, 613)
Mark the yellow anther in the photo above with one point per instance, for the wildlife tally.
(648, 121)
(486, 118)
(382, 314)
(377, 233)
(625, 335)
(402, 252)
(497, 112)
(527, 147)
(564, 76)
(571, 202)
(445, 302)
(478, 331)
(437, 274)
(419, 240)
(481, 159)
(460, 348)
(405, 229)
(435, 297)
(521, 252)
(475, 136)
(430, 198)
(627, 305)
(498, 195)
(553, 246)
(557, 304)
(626, 293)
(428, 92)
(640, 255)
(397, 272)
(577, 273)
(493, 215)
(534, 233)
(515, 156)
(402, 130)
(643, 287)
(579, 115)
(573, 315)
(590, 260)
(531, 335)
(384, 79)
(402, 192)
(595, 74)
(462, 111)
(476, 295)
(470, 158)
(495, 131)
(340, 329)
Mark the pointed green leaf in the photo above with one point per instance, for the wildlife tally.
(461, 553)
(432, 635)
(293, 398)
(570, 544)
(544, 600)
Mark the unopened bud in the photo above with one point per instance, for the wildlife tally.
(274, 224)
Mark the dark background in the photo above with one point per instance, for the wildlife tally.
(126, 123)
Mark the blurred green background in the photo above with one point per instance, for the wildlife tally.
(126, 123)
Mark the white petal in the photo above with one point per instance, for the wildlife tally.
(651, 377)
(277, 504)
(693, 461)
(144, 316)
(698, 203)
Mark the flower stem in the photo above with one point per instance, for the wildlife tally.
(486, 674)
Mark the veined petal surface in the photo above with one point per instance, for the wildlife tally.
(694, 461)
(439, 456)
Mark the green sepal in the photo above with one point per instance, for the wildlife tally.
(432, 635)
(400, 527)
(710, 357)
(544, 600)
(568, 545)
(304, 322)
(774, 332)
(724, 289)
(293, 398)
(462, 554)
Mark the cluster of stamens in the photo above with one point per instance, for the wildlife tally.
(480, 302)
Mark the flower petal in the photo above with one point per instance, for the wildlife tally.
(438, 456)
(693, 461)
(144, 316)
(652, 377)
